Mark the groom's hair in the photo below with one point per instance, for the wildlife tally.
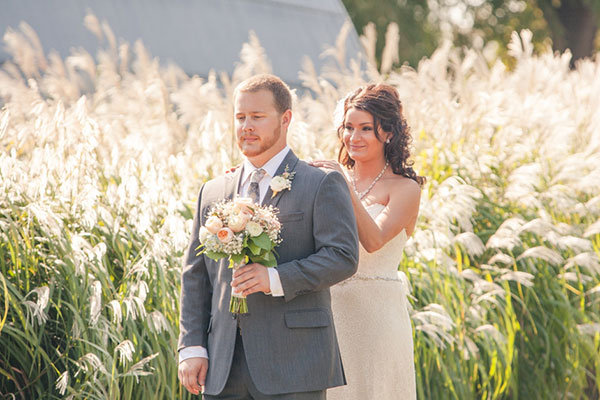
(281, 92)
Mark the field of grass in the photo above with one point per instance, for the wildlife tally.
(101, 158)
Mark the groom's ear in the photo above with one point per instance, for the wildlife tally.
(286, 118)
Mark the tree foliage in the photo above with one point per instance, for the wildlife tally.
(562, 24)
(573, 24)
(418, 36)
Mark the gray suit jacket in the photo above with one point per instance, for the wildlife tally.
(289, 341)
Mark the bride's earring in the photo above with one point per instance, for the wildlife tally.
(387, 140)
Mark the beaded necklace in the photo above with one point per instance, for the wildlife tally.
(364, 193)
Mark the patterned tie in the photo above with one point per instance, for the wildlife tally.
(253, 190)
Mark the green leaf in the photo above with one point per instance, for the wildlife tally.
(258, 259)
(215, 255)
(254, 249)
(267, 259)
(270, 263)
(262, 241)
(237, 258)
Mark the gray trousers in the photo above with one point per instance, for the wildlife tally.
(239, 384)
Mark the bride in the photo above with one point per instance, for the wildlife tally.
(370, 309)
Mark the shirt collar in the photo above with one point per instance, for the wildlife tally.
(270, 166)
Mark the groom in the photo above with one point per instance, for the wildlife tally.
(285, 347)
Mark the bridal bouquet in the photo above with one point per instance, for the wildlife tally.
(240, 231)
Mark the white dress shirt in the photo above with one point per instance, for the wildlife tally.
(270, 168)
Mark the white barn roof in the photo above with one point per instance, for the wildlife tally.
(197, 35)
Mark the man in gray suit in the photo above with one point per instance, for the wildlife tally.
(285, 347)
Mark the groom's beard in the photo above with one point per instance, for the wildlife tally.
(261, 145)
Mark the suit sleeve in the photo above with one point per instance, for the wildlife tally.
(196, 292)
(335, 238)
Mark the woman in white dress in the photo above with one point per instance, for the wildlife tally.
(370, 309)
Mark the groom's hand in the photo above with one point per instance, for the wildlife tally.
(192, 373)
(251, 278)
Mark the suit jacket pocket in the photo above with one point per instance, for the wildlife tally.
(312, 318)
(289, 217)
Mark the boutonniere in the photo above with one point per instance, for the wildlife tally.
(282, 182)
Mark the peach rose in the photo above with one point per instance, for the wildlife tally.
(243, 205)
(225, 235)
(213, 224)
(243, 200)
(238, 222)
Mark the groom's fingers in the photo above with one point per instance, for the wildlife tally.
(202, 375)
(244, 285)
(244, 274)
(192, 373)
(251, 278)
(240, 280)
(251, 287)
(190, 381)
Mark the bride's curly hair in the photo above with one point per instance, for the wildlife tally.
(383, 103)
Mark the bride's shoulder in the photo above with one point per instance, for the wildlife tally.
(405, 187)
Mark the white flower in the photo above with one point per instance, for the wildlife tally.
(278, 184)
(253, 228)
(204, 234)
(282, 182)
(213, 224)
(212, 242)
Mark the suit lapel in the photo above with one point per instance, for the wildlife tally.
(290, 160)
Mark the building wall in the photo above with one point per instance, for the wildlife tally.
(197, 35)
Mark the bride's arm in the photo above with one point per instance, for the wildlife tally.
(400, 212)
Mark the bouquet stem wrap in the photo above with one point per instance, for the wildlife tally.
(238, 303)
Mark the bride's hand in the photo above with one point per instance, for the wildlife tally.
(329, 164)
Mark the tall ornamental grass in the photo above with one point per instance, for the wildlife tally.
(102, 157)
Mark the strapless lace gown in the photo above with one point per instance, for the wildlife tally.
(373, 326)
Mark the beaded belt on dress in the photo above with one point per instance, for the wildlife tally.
(365, 277)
